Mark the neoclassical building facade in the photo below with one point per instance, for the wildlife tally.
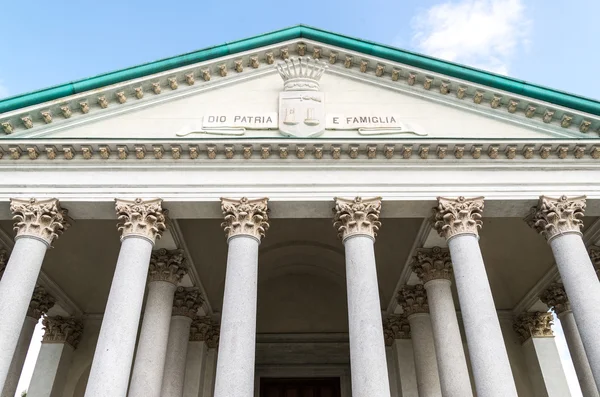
(394, 226)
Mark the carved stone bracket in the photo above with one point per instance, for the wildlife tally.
(534, 325)
(186, 302)
(245, 217)
(413, 299)
(167, 265)
(432, 264)
(395, 327)
(205, 329)
(62, 330)
(556, 216)
(556, 298)
(595, 257)
(357, 217)
(455, 216)
(42, 219)
(141, 218)
(41, 302)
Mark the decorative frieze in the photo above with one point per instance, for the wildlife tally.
(556, 216)
(41, 302)
(167, 265)
(140, 218)
(413, 300)
(62, 330)
(556, 298)
(395, 327)
(455, 216)
(432, 264)
(186, 302)
(245, 217)
(205, 329)
(534, 325)
(43, 219)
(357, 217)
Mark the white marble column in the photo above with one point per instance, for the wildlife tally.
(413, 300)
(400, 356)
(141, 222)
(208, 383)
(186, 303)
(61, 337)
(37, 223)
(555, 297)
(245, 224)
(458, 220)
(544, 366)
(166, 270)
(204, 334)
(357, 223)
(559, 220)
(434, 268)
(39, 305)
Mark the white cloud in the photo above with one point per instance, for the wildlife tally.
(485, 34)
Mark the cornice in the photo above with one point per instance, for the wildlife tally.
(199, 76)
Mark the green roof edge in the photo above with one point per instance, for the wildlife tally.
(301, 31)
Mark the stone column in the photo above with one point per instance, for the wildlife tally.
(37, 224)
(543, 361)
(185, 308)
(245, 224)
(559, 221)
(141, 222)
(204, 333)
(166, 270)
(208, 384)
(413, 300)
(594, 252)
(397, 338)
(556, 298)
(458, 220)
(357, 223)
(434, 268)
(40, 303)
(61, 337)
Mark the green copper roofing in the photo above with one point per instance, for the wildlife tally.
(369, 48)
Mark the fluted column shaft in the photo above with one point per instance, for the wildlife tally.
(38, 223)
(458, 220)
(142, 222)
(357, 222)
(245, 224)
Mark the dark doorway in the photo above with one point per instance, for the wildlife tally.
(300, 387)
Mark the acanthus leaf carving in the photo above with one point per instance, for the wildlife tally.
(41, 302)
(553, 217)
(205, 329)
(167, 265)
(556, 298)
(534, 325)
(413, 299)
(186, 302)
(141, 218)
(432, 264)
(245, 217)
(357, 217)
(455, 216)
(43, 219)
(395, 327)
(62, 330)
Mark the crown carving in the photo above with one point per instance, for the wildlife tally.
(301, 73)
(62, 330)
(432, 264)
(357, 217)
(245, 217)
(556, 216)
(454, 216)
(395, 327)
(41, 302)
(186, 302)
(556, 298)
(205, 329)
(41, 219)
(141, 218)
(534, 325)
(413, 299)
(167, 265)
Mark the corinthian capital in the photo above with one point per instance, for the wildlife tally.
(555, 216)
(40, 303)
(413, 299)
(205, 329)
(357, 217)
(432, 264)
(556, 298)
(245, 217)
(533, 325)
(455, 216)
(167, 265)
(595, 257)
(62, 330)
(395, 327)
(41, 219)
(186, 302)
(141, 218)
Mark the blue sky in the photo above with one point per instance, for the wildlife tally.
(546, 42)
